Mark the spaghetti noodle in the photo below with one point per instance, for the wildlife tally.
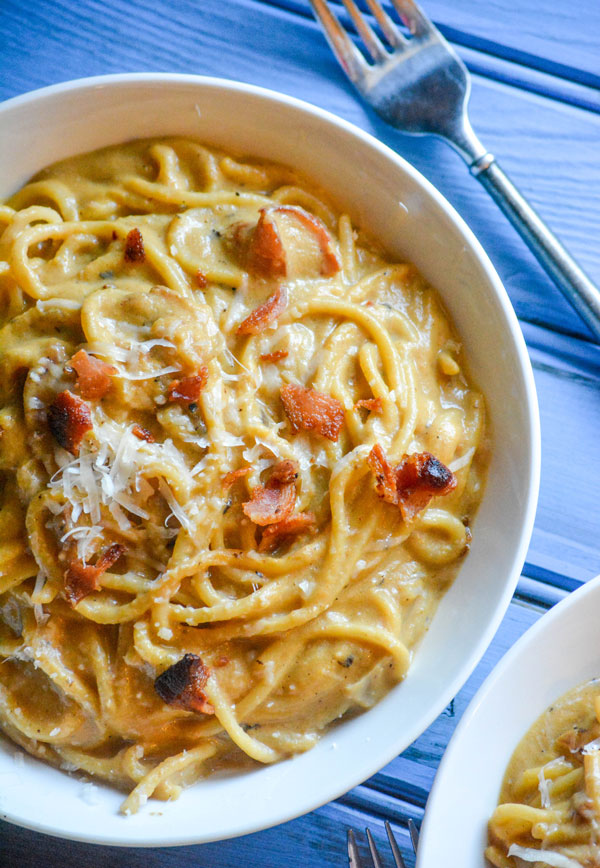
(239, 459)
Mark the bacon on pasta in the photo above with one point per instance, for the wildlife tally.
(234, 475)
(94, 377)
(143, 434)
(330, 264)
(188, 389)
(273, 502)
(293, 525)
(312, 411)
(182, 685)
(264, 315)
(69, 420)
(373, 405)
(411, 484)
(134, 247)
(82, 579)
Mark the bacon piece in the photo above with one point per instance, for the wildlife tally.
(331, 263)
(385, 475)
(234, 475)
(373, 405)
(134, 247)
(201, 279)
(94, 377)
(275, 356)
(182, 685)
(188, 389)
(69, 419)
(270, 505)
(313, 411)
(283, 472)
(81, 579)
(413, 482)
(143, 434)
(264, 254)
(273, 502)
(301, 522)
(264, 315)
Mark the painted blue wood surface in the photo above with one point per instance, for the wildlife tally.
(536, 104)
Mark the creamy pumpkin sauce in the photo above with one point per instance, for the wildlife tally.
(239, 457)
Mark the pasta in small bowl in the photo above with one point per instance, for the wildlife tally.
(258, 448)
(536, 799)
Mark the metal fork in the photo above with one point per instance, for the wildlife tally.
(354, 859)
(420, 85)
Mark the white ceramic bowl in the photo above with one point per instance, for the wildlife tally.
(559, 652)
(395, 203)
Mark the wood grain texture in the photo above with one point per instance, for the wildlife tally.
(535, 104)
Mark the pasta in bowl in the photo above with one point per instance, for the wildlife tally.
(206, 391)
(535, 801)
(241, 459)
(549, 806)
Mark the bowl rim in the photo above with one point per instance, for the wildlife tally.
(334, 788)
(526, 642)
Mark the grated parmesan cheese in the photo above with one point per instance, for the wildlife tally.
(459, 463)
(556, 860)
(131, 358)
(110, 474)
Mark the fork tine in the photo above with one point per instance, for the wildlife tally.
(371, 41)
(353, 854)
(388, 28)
(415, 19)
(414, 834)
(394, 846)
(348, 55)
(374, 854)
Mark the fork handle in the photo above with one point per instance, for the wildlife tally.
(572, 281)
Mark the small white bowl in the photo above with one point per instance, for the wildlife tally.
(397, 205)
(559, 652)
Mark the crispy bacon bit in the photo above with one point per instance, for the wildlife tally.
(94, 377)
(273, 502)
(270, 505)
(134, 247)
(275, 356)
(412, 483)
(234, 475)
(293, 525)
(373, 405)
(187, 390)
(69, 419)
(385, 475)
(143, 434)
(264, 315)
(265, 254)
(182, 685)
(330, 264)
(82, 579)
(313, 411)
(283, 472)
(201, 279)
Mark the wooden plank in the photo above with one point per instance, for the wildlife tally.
(549, 148)
(318, 839)
(529, 33)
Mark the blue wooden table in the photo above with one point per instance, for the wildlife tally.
(536, 105)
